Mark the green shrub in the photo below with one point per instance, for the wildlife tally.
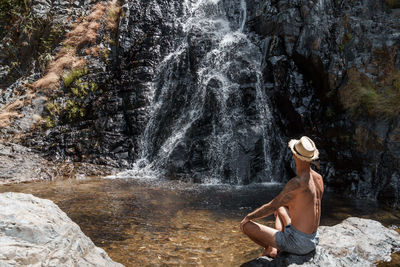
(10, 12)
(361, 95)
(393, 3)
(82, 88)
(53, 108)
(74, 74)
(74, 110)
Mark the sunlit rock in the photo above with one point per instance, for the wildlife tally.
(35, 232)
(354, 242)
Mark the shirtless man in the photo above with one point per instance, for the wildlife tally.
(297, 208)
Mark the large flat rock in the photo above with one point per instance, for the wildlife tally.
(36, 232)
(354, 242)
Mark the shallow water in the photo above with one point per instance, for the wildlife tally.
(153, 222)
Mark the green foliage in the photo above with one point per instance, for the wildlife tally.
(74, 110)
(330, 113)
(78, 93)
(49, 122)
(361, 95)
(106, 53)
(11, 11)
(393, 3)
(82, 88)
(50, 40)
(53, 108)
(347, 37)
(73, 75)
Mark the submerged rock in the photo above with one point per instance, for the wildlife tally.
(36, 232)
(354, 242)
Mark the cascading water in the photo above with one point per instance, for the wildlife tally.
(210, 118)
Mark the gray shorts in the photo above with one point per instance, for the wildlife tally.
(294, 241)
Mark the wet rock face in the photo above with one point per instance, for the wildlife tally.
(190, 83)
(354, 242)
(311, 48)
(148, 32)
(217, 88)
(36, 232)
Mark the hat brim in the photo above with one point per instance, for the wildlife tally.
(293, 142)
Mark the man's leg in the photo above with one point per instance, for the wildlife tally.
(260, 234)
(282, 218)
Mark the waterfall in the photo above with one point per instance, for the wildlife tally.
(210, 120)
(243, 14)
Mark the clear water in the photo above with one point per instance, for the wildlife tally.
(152, 222)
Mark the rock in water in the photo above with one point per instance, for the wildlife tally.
(354, 242)
(36, 232)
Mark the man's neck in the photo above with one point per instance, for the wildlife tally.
(302, 167)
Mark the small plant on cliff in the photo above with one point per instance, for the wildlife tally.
(74, 110)
(74, 74)
(10, 12)
(362, 95)
(53, 108)
(393, 3)
(82, 88)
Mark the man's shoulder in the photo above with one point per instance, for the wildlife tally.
(316, 175)
(295, 182)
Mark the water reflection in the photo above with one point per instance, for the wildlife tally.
(163, 222)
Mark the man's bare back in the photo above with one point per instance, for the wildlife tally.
(305, 207)
(297, 208)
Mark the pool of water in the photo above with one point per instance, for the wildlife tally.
(153, 222)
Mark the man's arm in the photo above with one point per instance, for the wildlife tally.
(284, 197)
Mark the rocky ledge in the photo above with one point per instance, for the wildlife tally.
(20, 164)
(35, 232)
(354, 242)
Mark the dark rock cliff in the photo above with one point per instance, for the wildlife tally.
(328, 69)
(322, 54)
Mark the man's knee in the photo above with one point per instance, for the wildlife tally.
(243, 227)
(283, 213)
(282, 210)
(246, 227)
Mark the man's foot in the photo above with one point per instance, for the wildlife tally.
(270, 252)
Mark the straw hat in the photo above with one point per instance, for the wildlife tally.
(304, 149)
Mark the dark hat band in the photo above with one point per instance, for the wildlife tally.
(294, 147)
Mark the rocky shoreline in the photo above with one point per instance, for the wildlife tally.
(354, 242)
(22, 164)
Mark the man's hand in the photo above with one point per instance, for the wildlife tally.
(243, 222)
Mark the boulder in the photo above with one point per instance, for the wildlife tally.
(36, 232)
(354, 242)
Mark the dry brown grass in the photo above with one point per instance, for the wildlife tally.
(9, 112)
(64, 61)
(94, 51)
(113, 14)
(83, 33)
